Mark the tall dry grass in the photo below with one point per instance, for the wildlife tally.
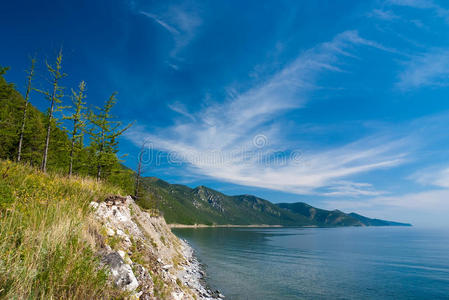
(46, 249)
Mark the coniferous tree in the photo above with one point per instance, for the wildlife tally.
(11, 114)
(6, 89)
(25, 108)
(78, 121)
(104, 134)
(3, 70)
(99, 158)
(55, 97)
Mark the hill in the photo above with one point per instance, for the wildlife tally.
(77, 238)
(47, 234)
(181, 204)
(321, 216)
(202, 205)
(376, 222)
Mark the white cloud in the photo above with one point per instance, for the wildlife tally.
(427, 207)
(347, 188)
(218, 141)
(387, 15)
(423, 4)
(424, 209)
(413, 3)
(180, 21)
(428, 69)
(436, 176)
(169, 28)
(181, 109)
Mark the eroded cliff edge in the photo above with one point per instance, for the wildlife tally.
(145, 258)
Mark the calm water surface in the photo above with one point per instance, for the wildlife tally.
(324, 263)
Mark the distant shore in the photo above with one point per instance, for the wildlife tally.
(222, 225)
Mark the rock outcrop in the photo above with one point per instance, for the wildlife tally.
(144, 257)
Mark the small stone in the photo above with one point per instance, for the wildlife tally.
(121, 253)
(110, 232)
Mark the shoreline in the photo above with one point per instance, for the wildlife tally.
(225, 226)
(193, 275)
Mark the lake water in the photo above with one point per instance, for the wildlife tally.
(324, 263)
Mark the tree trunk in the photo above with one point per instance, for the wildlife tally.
(100, 155)
(139, 171)
(47, 139)
(136, 188)
(22, 128)
(98, 172)
(71, 158)
(74, 132)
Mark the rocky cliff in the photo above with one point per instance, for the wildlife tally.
(145, 258)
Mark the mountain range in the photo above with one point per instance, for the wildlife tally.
(181, 204)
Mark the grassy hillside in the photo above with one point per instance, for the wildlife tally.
(47, 235)
(202, 205)
(321, 216)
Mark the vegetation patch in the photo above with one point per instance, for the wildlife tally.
(45, 243)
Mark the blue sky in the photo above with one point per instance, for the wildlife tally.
(342, 104)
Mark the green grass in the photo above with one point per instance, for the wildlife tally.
(47, 244)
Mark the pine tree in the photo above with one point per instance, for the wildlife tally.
(104, 134)
(78, 121)
(55, 97)
(30, 73)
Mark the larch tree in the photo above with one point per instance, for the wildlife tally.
(104, 134)
(79, 123)
(55, 97)
(3, 70)
(30, 73)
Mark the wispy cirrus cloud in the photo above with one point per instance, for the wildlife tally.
(436, 176)
(352, 189)
(180, 108)
(428, 69)
(252, 150)
(439, 10)
(428, 207)
(414, 3)
(319, 172)
(387, 15)
(181, 21)
(158, 20)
